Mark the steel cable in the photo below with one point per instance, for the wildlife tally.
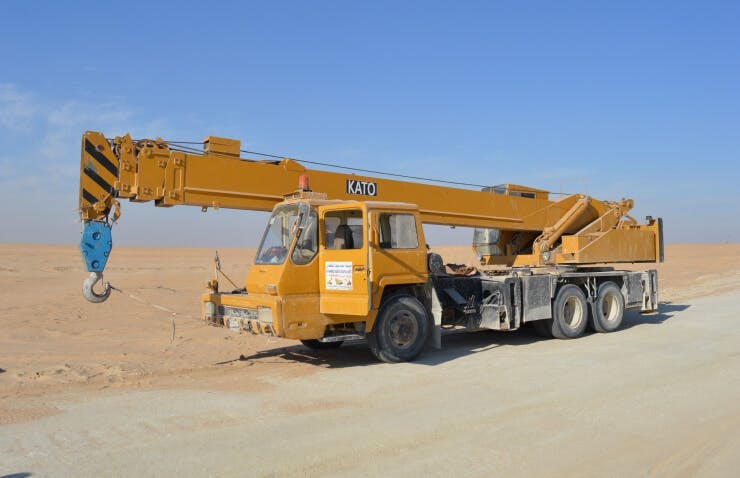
(189, 150)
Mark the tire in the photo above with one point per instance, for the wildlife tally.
(569, 313)
(435, 264)
(401, 330)
(316, 345)
(608, 309)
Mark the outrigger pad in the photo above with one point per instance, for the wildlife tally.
(96, 244)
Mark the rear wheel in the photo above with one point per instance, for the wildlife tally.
(569, 313)
(608, 310)
(318, 345)
(401, 330)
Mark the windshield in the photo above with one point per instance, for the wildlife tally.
(281, 228)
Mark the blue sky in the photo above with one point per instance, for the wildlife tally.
(635, 99)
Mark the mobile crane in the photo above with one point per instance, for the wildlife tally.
(345, 258)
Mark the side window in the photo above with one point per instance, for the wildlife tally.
(355, 226)
(398, 231)
(330, 227)
(308, 244)
(344, 230)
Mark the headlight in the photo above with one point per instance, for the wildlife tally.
(210, 308)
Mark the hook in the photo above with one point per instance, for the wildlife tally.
(89, 293)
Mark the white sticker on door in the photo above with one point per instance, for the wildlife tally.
(338, 276)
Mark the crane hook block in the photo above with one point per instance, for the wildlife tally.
(95, 246)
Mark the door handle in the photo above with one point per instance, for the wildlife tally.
(359, 268)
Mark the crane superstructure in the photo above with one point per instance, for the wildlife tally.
(346, 258)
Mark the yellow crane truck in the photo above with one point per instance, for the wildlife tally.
(344, 256)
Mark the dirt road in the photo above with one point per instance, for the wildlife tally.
(91, 391)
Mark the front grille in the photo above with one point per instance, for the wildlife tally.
(227, 311)
(255, 320)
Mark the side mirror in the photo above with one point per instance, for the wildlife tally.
(373, 237)
(297, 227)
(304, 210)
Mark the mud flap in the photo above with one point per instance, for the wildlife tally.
(436, 309)
(650, 302)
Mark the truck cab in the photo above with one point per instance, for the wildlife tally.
(322, 270)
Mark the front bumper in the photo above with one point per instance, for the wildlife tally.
(296, 317)
(241, 313)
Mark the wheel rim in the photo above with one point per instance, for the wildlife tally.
(610, 307)
(403, 329)
(573, 312)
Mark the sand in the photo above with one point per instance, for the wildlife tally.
(105, 389)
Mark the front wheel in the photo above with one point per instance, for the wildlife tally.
(401, 330)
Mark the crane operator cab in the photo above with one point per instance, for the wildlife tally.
(323, 271)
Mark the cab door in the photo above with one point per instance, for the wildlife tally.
(398, 253)
(343, 262)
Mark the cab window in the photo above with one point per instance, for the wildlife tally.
(278, 235)
(307, 245)
(398, 231)
(343, 229)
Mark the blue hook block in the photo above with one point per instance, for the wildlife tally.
(96, 244)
